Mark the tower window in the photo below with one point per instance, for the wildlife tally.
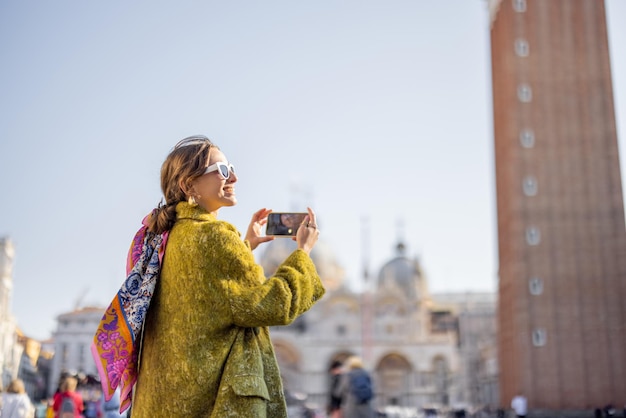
(524, 93)
(521, 47)
(539, 337)
(533, 236)
(527, 138)
(519, 6)
(535, 285)
(530, 186)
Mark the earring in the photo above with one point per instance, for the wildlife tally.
(192, 201)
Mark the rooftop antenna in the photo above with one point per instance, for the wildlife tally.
(365, 256)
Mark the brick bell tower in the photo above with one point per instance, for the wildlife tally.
(561, 232)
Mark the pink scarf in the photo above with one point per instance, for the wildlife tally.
(117, 342)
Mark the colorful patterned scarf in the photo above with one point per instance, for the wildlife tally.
(117, 342)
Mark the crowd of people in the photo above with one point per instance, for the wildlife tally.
(75, 397)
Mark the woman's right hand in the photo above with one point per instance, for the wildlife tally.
(307, 233)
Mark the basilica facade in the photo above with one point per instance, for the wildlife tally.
(409, 340)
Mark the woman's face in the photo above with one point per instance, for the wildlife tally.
(211, 190)
(287, 220)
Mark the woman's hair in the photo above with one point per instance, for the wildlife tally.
(354, 362)
(335, 364)
(69, 384)
(186, 162)
(16, 386)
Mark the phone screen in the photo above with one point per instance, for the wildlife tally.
(283, 223)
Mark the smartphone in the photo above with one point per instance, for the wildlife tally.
(284, 224)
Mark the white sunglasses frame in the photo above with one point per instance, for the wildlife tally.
(216, 167)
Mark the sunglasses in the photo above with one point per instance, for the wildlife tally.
(223, 168)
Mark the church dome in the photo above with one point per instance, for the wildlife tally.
(330, 271)
(402, 274)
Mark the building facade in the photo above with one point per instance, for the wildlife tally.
(561, 232)
(72, 344)
(409, 339)
(19, 354)
(10, 350)
(474, 316)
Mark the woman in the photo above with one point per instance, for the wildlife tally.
(15, 402)
(67, 402)
(206, 349)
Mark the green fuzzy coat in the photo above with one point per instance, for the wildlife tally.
(206, 345)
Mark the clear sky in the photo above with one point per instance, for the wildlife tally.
(372, 112)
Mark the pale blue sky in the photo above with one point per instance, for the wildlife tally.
(362, 109)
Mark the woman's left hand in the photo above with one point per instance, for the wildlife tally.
(253, 236)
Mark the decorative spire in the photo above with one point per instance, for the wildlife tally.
(400, 247)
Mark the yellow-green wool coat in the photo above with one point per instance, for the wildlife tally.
(206, 345)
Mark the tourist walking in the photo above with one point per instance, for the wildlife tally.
(356, 390)
(519, 404)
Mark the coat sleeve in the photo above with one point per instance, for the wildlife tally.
(256, 301)
(341, 391)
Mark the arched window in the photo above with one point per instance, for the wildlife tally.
(535, 285)
(524, 93)
(533, 236)
(539, 337)
(527, 138)
(519, 6)
(529, 186)
(395, 379)
(521, 47)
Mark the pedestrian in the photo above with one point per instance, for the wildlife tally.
(609, 410)
(67, 402)
(519, 404)
(15, 402)
(334, 398)
(356, 390)
(206, 349)
(430, 413)
(111, 408)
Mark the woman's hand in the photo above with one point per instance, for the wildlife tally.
(307, 233)
(253, 235)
